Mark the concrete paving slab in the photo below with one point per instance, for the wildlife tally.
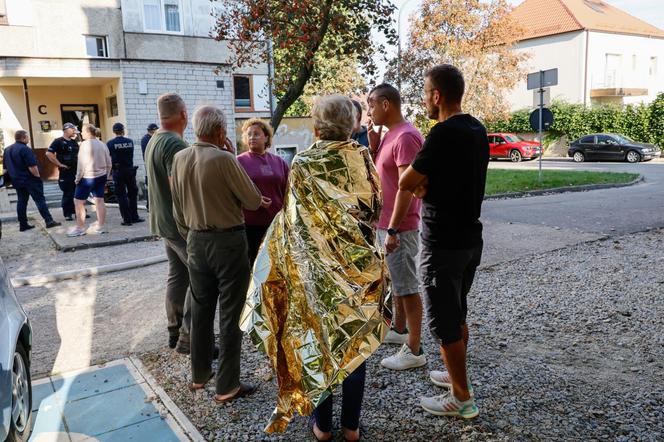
(116, 233)
(110, 402)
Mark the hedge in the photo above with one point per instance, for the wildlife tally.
(644, 123)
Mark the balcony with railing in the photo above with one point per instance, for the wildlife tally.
(618, 83)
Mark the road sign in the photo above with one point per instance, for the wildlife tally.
(540, 79)
(547, 119)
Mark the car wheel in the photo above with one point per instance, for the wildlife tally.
(579, 157)
(633, 156)
(21, 412)
(515, 156)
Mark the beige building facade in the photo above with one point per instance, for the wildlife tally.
(107, 61)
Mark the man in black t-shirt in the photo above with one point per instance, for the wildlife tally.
(449, 174)
(63, 152)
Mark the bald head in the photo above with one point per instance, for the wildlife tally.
(172, 112)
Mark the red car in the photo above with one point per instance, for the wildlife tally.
(511, 146)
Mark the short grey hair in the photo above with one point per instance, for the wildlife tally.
(20, 134)
(334, 117)
(208, 120)
(91, 129)
(169, 105)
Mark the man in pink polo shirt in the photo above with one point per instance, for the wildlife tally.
(398, 232)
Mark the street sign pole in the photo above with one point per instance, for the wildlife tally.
(541, 107)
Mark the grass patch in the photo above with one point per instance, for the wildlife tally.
(506, 181)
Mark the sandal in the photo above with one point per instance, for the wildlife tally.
(312, 422)
(245, 390)
(193, 387)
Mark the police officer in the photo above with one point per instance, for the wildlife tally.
(63, 152)
(121, 149)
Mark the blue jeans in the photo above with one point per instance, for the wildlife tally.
(351, 403)
(35, 189)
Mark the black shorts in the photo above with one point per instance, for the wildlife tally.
(447, 276)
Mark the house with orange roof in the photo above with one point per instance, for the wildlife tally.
(603, 54)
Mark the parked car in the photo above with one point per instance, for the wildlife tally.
(502, 145)
(611, 147)
(15, 352)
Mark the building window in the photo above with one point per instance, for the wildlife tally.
(653, 66)
(242, 91)
(3, 13)
(162, 16)
(95, 46)
(112, 103)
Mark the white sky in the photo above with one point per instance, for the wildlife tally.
(651, 11)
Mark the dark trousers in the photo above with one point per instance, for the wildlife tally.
(67, 183)
(351, 403)
(35, 189)
(178, 294)
(127, 193)
(219, 271)
(255, 235)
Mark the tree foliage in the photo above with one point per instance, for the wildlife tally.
(475, 35)
(303, 34)
(642, 122)
(330, 76)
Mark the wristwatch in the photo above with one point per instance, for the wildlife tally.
(392, 232)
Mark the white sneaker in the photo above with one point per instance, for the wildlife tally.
(447, 405)
(404, 359)
(442, 379)
(394, 337)
(76, 232)
(96, 229)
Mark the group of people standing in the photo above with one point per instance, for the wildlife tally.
(212, 209)
(83, 170)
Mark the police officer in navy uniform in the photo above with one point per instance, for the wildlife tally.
(124, 175)
(63, 152)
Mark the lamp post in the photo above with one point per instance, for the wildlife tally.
(401, 8)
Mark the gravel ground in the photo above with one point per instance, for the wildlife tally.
(565, 345)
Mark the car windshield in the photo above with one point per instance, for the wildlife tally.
(513, 138)
(623, 139)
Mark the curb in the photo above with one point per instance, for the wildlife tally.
(113, 242)
(558, 190)
(90, 271)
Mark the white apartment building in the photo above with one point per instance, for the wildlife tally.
(107, 61)
(603, 54)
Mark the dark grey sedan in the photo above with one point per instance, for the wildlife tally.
(611, 147)
(15, 347)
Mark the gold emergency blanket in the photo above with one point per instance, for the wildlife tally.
(315, 303)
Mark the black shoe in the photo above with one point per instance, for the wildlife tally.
(69, 218)
(87, 216)
(173, 341)
(26, 227)
(52, 224)
(137, 220)
(125, 223)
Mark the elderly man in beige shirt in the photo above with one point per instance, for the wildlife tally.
(210, 189)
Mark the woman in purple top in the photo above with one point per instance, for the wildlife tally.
(270, 174)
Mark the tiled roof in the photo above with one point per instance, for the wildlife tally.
(541, 18)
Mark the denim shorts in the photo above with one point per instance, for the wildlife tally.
(87, 186)
(402, 263)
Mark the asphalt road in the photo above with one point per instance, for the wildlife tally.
(605, 212)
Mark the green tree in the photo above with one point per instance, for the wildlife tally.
(475, 35)
(303, 33)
